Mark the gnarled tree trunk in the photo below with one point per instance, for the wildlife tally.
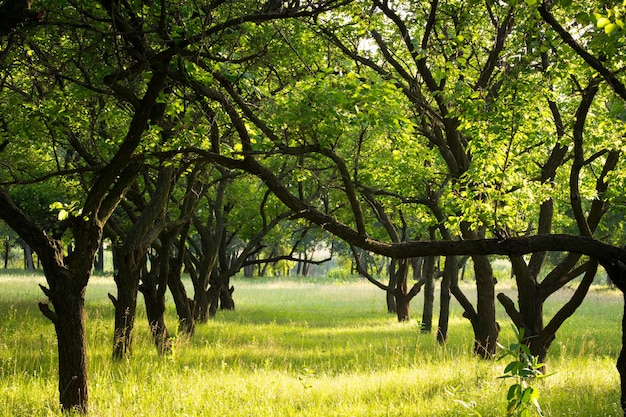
(68, 300)
(127, 281)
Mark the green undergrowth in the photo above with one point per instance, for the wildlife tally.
(302, 348)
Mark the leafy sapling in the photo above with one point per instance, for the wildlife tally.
(524, 369)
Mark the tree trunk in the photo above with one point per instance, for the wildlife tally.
(621, 360)
(220, 296)
(29, 265)
(403, 299)
(417, 263)
(392, 307)
(429, 294)
(226, 296)
(248, 270)
(127, 281)
(201, 306)
(184, 306)
(403, 306)
(99, 264)
(616, 269)
(450, 274)
(486, 328)
(7, 251)
(67, 296)
(155, 309)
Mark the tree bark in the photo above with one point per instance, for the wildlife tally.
(68, 317)
(154, 297)
(402, 295)
(99, 264)
(127, 281)
(392, 306)
(486, 328)
(7, 251)
(184, 305)
(450, 274)
(29, 265)
(429, 294)
(616, 269)
(403, 306)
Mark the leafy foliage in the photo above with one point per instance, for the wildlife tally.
(522, 396)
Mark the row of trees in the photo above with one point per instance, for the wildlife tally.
(197, 134)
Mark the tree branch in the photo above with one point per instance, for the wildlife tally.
(592, 61)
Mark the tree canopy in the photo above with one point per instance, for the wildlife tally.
(204, 133)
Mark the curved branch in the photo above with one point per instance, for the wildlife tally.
(579, 158)
(592, 61)
(361, 270)
(585, 245)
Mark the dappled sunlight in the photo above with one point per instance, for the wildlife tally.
(323, 353)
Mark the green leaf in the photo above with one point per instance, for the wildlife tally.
(525, 349)
(526, 395)
(610, 28)
(513, 391)
(63, 214)
(602, 22)
(57, 205)
(511, 366)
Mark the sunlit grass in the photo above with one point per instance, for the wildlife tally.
(297, 348)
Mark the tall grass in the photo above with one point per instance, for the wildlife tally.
(296, 348)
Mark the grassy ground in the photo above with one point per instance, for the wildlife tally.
(301, 349)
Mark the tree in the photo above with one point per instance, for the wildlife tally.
(39, 90)
(84, 109)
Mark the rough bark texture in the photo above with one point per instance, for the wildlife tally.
(68, 317)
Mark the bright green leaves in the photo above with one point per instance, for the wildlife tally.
(67, 210)
(612, 21)
(524, 369)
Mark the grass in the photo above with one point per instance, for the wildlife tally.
(300, 348)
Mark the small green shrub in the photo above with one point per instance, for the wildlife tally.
(524, 369)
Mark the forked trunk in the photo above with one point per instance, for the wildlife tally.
(201, 306)
(403, 306)
(226, 298)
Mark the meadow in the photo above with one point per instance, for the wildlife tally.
(302, 348)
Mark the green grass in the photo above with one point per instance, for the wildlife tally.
(300, 348)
